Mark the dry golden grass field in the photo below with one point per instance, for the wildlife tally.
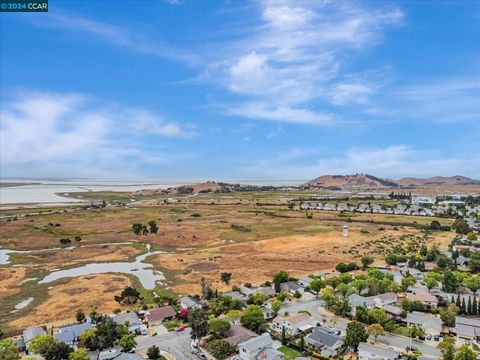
(250, 235)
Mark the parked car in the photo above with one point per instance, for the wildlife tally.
(202, 356)
(195, 351)
(411, 348)
(429, 337)
(179, 329)
(436, 338)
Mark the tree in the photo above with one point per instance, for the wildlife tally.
(199, 323)
(226, 277)
(276, 305)
(356, 334)
(79, 354)
(127, 342)
(80, 316)
(153, 227)
(284, 336)
(153, 352)
(8, 350)
(465, 353)
(430, 283)
(408, 281)
(128, 296)
(258, 298)
(40, 344)
(471, 236)
(375, 330)
(88, 338)
(281, 276)
(137, 228)
(366, 261)
(448, 314)
(435, 225)
(460, 226)
(449, 282)
(378, 316)
(316, 285)
(233, 316)
(218, 327)
(219, 348)
(58, 351)
(252, 317)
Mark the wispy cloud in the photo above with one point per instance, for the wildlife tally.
(137, 41)
(79, 134)
(295, 56)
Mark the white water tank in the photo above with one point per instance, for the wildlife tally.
(345, 231)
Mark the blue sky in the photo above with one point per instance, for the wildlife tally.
(240, 89)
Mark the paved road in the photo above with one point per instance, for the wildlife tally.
(176, 343)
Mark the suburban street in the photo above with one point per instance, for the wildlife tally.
(319, 314)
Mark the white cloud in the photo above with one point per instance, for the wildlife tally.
(295, 57)
(265, 111)
(393, 161)
(114, 34)
(75, 134)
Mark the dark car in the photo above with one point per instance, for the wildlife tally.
(411, 348)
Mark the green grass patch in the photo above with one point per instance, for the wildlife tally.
(290, 354)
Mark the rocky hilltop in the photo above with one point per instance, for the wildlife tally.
(365, 181)
(438, 180)
(357, 181)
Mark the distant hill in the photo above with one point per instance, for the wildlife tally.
(357, 181)
(205, 188)
(438, 180)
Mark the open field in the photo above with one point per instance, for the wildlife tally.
(251, 235)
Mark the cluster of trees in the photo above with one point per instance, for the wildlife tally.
(52, 349)
(8, 350)
(66, 241)
(343, 267)
(151, 227)
(128, 296)
(435, 225)
(460, 226)
(106, 334)
(469, 307)
(449, 352)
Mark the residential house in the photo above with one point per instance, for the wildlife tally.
(324, 341)
(159, 315)
(260, 347)
(250, 291)
(304, 281)
(31, 332)
(467, 328)
(355, 300)
(188, 302)
(462, 260)
(392, 311)
(330, 275)
(373, 352)
(432, 325)
(236, 295)
(385, 299)
(292, 287)
(238, 334)
(134, 323)
(423, 297)
(69, 334)
(293, 324)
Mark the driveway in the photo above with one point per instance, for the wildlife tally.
(176, 343)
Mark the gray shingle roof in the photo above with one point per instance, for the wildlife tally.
(380, 353)
(424, 321)
(76, 330)
(188, 301)
(322, 337)
(30, 333)
(259, 342)
(131, 317)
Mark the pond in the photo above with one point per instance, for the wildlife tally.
(143, 271)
